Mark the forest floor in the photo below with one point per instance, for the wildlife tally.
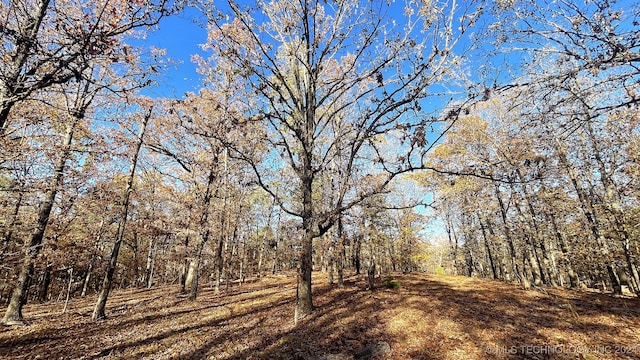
(426, 317)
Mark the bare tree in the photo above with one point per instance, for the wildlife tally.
(310, 64)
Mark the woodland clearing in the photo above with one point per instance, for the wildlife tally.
(426, 317)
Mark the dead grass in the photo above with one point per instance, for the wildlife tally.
(427, 317)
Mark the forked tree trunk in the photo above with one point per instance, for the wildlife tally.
(99, 310)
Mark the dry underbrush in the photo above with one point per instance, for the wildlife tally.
(426, 317)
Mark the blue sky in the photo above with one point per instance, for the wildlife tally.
(181, 37)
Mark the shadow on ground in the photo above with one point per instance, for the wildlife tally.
(428, 317)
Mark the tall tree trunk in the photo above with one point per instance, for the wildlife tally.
(219, 259)
(44, 284)
(342, 255)
(99, 310)
(261, 250)
(494, 270)
(574, 281)
(519, 275)
(613, 205)
(331, 261)
(453, 243)
(528, 235)
(148, 270)
(66, 300)
(87, 277)
(191, 281)
(546, 270)
(588, 210)
(9, 228)
(502, 263)
(356, 253)
(185, 267)
(193, 275)
(304, 298)
(224, 231)
(275, 259)
(13, 314)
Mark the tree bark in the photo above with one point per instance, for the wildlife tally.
(8, 233)
(66, 301)
(356, 253)
(494, 271)
(507, 233)
(192, 278)
(342, 255)
(44, 285)
(612, 203)
(304, 300)
(148, 271)
(589, 213)
(13, 314)
(99, 310)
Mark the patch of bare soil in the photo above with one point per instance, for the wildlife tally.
(427, 317)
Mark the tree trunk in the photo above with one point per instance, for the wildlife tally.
(92, 259)
(219, 261)
(612, 203)
(99, 310)
(66, 301)
(185, 267)
(13, 314)
(330, 261)
(85, 283)
(275, 258)
(304, 300)
(453, 243)
(512, 249)
(356, 253)
(589, 213)
(44, 284)
(193, 275)
(261, 250)
(9, 228)
(530, 248)
(342, 255)
(488, 248)
(151, 255)
(191, 281)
